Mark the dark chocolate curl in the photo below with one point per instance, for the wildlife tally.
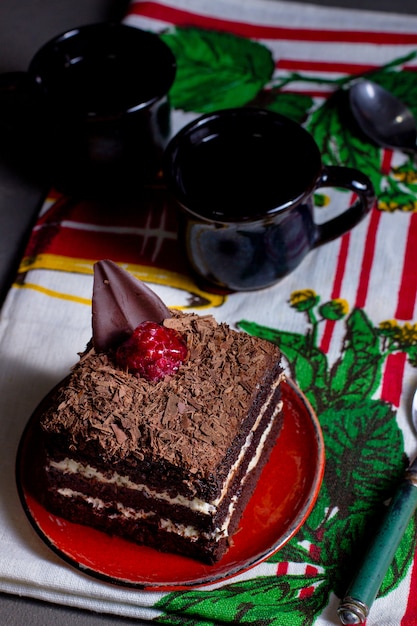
(120, 303)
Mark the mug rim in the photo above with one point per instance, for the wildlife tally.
(180, 139)
(38, 66)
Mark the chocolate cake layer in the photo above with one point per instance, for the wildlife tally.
(159, 522)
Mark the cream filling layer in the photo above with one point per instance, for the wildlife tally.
(223, 531)
(71, 466)
(186, 531)
(128, 513)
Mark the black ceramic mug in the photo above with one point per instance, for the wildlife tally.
(96, 103)
(244, 180)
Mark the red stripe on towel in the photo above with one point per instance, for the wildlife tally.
(368, 259)
(302, 65)
(392, 382)
(408, 287)
(179, 17)
(406, 300)
(410, 615)
(336, 290)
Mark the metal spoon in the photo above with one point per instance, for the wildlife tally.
(354, 607)
(383, 117)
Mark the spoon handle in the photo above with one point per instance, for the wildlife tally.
(354, 607)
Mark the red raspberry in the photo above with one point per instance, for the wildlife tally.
(152, 351)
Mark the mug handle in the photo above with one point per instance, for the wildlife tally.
(360, 184)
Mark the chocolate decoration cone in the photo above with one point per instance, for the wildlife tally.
(120, 303)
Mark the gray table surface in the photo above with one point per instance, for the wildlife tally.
(24, 26)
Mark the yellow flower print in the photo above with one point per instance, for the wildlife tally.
(409, 334)
(405, 176)
(304, 299)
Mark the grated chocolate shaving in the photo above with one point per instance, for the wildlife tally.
(188, 419)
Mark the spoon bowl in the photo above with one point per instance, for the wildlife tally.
(382, 117)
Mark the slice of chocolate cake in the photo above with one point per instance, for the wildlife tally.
(160, 435)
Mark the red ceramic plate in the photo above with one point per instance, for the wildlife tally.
(285, 494)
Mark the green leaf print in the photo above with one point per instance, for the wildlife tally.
(402, 560)
(306, 363)
(216, 70)
(341, 142)
(364, 447)
(357, 375)
(365, 460)
(293, 105)
(264, 601)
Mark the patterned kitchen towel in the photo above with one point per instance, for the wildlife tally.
(344, 318)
